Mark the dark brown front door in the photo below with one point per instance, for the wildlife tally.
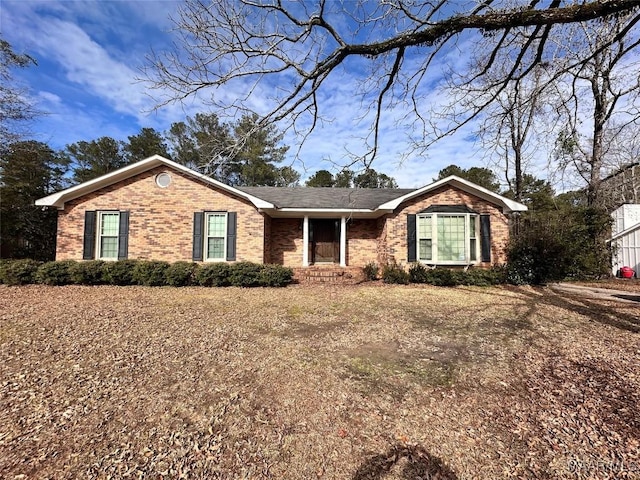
(325, 241)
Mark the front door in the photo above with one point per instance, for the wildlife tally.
(325, 241)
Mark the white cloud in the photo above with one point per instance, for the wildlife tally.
(98, 47)
(49, 98)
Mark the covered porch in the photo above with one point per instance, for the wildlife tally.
(323, 241)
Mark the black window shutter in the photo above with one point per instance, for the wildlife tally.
(123, 236)
(411, 238)
(198, 239)
(485, 238)
(231, 235)
(89, 244)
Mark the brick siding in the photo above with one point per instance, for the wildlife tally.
(392, 244)
(161, 219)
(286, 241)
(362, 241)
(161, 223)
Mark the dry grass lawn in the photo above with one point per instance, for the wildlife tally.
(363, 382)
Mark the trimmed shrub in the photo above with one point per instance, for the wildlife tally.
(393, 273)
(418, 273)
(88, 273)
(275, 276)
(213, 275)
(446, 277)
(180, 274)
(150, 273)
(18, 272)
(245, 274)
(119, 272)
(370, 271)
(56, 273)
(483, 278)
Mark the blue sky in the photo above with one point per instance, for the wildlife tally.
(89, 56)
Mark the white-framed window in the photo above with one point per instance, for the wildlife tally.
(107, 238)
(447, 238)
(215, 237)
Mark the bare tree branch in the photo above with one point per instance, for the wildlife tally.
(289, 50)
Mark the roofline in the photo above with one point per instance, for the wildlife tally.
(507, 204)
(623, 233)
(58, 199)
(327, 210)
(324, 212)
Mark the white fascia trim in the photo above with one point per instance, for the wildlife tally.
(58, 199)
(508, 204)
(326, 210)
(624, 232)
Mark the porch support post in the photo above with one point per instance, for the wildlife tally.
(305, 241)
(343, 241)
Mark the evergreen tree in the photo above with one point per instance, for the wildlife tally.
(344, 179)
(478, 175)
(242, 154)
(372, 179)
(95, 158)
(29, 170)
(147, 143)
(322, 178)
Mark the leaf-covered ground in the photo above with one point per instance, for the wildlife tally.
(362, 382)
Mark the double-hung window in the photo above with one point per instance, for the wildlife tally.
(447, 238)
(215, 236)
(108, 232)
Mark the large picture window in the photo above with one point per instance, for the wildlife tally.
(447, 238)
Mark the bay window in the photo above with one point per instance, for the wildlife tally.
(447, 238)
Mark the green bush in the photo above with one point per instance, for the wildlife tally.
(18, 272)
(88, 273)
(418, 273)
(150, 273)
(393, 273)
(552, 246)
(56, 273)
(484, 277)
(370, 271)
(446, 277)
(213, 275)
(120, 272)
(275, 276)
(245, 274)
(180, 274)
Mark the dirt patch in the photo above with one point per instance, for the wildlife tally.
(359, 382)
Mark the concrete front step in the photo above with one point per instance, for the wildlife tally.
(328, 274)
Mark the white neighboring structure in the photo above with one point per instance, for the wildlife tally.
(625, 238)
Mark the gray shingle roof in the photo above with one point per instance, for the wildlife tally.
(329, 198)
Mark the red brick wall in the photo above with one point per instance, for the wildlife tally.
(267, 240)
(161, 219)
(161, 223)
(286, 241)
(392, 245)
(362, 241)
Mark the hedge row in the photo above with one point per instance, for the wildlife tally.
(445, 277)
(142, 272)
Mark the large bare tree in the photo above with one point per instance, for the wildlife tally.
(284, 52)
(16, 109)
(601, 105)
